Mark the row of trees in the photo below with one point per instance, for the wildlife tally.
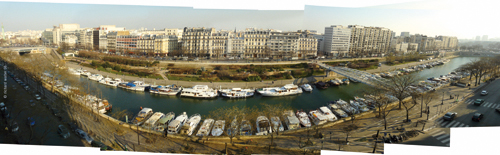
(481, 67)
(394, 58)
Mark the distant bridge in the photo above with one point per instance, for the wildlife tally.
(355, 75)
(26, 50)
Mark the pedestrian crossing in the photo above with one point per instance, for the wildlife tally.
(441, 136)
(485, 104)
(450, 124)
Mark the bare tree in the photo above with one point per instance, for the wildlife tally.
(398, 87)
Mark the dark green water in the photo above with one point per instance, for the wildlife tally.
(131, 100)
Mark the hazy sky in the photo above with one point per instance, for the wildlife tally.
(463, 19)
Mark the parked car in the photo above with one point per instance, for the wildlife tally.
(82, 134)
(14, 127)
(37, 97)
(449, 116)
(63, 131)
(101, 145)
(478, 101)
(484, 92)
(477, 117)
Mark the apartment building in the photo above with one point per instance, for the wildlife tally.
(220, 44)
(283, 45)
(336, 40)
(256, 42)
(369, 41)
(235, 46)
(111, 39)
(308, 45)
(166, 45)
(146, 44)
(103, 42)
(197, 41)
(127, 42)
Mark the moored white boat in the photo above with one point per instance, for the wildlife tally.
(277, 125)
(288, 89)
(190, 125)
(237, 94)
(317, 117)
(151, 122)
(169, 90)
(246, 127)
(95, 77)
(328, 113)
(263, 126)
(205, 127)
(175, 125)
(162, 123)
(304, 120)
(136, 86)
(306, 87)
(291, 121)
(218, 128)
(236, 90)
(143, 115)
(199, 91)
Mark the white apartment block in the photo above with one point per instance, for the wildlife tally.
(103, 42)
(235, 47)
(369, 41)
(336, 40)
(402, 48)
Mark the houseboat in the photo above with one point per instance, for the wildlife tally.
(143, 115)
(171, 90)
(175, 125)
(288, 89)
(317, 117)
(277, 125)
(304, 120)
(263, 126)
(162, 123)
(151, 122)
(205, 127)
(199, 91)
(327, 113)
(321, 85)
(189, 127)
(291, 121)
(218, 128)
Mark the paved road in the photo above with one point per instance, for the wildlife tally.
(439, 136)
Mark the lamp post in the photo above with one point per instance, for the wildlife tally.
(442, 101)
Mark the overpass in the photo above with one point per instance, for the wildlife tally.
(26, 50)
(355, 75)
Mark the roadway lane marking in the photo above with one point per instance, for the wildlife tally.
(489, 105)
(442, 136)
(496, 106)
(447, 123)
(467, 126)
(455, 125)
(450, 125)
(435, 131)
(485, 104)
(439, 133)
(439, 121)
(462, 125)
(446, 140)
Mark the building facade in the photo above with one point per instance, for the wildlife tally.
(256, 43)
(197, 41)
(337, 40)
(369, 41)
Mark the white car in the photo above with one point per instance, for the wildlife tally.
(484, 92)
(37, 97)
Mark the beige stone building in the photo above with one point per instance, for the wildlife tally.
(146, 44)
(197, 41)
(220, 43)
(167, 45)
(308, 45)
(256, 42)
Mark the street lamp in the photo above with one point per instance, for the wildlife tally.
(442, 101)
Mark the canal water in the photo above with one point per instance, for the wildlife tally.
(132, 101)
